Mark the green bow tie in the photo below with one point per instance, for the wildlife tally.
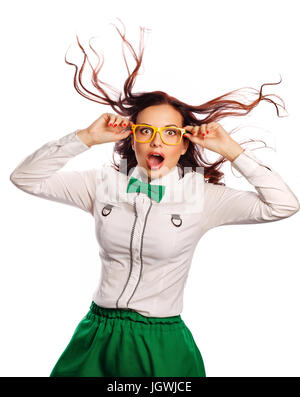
(155, 192)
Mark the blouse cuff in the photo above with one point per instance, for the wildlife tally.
(72, 143)
(247, 163)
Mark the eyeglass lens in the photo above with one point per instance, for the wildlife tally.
(171, 135)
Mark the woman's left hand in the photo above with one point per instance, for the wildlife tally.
(212, 136)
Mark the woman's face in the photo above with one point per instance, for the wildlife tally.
(159, 116)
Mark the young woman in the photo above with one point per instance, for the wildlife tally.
(150, 214)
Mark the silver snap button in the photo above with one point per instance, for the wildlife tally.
(178, 220)
(107, 210)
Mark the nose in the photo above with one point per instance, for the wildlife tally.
(157, 139)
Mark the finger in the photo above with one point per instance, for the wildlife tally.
(112, 120)
(122, 125)
(188, 128)
(107, 117)
(126, 123)
(203, 129)
(125, 133)
(117, 121)
(187, 135)
(196, 130)
(210, 126)
(192, 136)
(195, 139)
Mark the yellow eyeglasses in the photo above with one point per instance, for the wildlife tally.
(169, 135)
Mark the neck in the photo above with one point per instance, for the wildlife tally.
(158, 176)
(151, 179)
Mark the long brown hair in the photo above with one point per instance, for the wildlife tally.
(132, 103)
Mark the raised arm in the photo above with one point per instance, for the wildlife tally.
(39, 174)
(272, 201)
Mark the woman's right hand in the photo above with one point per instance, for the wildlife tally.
(107, 128)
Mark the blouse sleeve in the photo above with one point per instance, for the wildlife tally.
(39, 174)
(272, 201)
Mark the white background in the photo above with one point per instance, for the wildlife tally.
(242, 295)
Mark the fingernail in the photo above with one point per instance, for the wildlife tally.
(115, 125)
(124, 125)
(207, 131)
(203, 134)
(110, 124)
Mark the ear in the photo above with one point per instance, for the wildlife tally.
(186, 143)
(132, 142)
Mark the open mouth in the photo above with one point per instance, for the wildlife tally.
(155, 161)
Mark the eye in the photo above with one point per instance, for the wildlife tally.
(146, 130)
(170, 132)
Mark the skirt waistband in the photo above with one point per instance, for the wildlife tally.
(132, 315)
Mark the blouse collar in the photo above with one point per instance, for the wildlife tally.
(183, 190)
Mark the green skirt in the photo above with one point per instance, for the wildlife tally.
(124, 343)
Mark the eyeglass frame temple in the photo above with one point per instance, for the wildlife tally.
(157, 129)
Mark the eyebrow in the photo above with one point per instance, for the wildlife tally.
(169, 125)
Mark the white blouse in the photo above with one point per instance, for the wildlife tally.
(146, 247)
